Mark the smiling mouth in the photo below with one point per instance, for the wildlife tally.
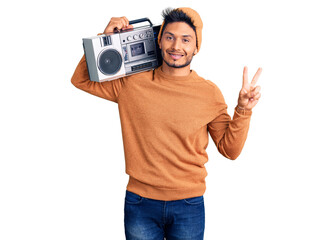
(175, 56)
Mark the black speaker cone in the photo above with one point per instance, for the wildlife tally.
(109, 61)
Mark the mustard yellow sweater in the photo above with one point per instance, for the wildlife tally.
(165, 122)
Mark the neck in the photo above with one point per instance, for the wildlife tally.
(177, 72)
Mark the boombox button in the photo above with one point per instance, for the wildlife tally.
(135, 37)
(129, 38)
(141, 35)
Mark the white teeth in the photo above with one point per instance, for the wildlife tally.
(176, 55)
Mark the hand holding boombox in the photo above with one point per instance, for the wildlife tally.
(116, 24)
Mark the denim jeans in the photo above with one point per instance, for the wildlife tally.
(148, 219)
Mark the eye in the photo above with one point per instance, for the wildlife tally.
(185, 40)
(169, 38)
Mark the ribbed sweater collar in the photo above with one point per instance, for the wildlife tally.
(193, 76)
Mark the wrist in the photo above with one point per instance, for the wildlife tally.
(242, 110)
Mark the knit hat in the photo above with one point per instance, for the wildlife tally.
(197, 22)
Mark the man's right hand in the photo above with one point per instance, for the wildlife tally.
(116, 24)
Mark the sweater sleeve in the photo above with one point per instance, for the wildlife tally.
(108, 90)
(229, 135)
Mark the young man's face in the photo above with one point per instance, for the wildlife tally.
(178, 44)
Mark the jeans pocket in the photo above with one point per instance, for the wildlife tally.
(132, 198)
(194, 200)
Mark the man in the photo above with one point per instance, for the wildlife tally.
(166, 115)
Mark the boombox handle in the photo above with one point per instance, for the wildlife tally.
(140, 20)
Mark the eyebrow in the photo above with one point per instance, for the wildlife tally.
(185, 35)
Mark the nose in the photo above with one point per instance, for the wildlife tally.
(176, 44)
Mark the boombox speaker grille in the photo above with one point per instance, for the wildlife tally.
(109, 61)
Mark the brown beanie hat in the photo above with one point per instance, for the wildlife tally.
(197, 22)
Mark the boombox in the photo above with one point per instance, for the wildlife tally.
(114, 55)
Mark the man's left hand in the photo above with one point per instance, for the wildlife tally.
(250, 93)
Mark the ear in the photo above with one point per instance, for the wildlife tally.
(196, 51)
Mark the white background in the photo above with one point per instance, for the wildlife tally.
(62, 170)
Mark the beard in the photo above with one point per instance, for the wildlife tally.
(174, 64)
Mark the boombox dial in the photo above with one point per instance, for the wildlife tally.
(140, 35)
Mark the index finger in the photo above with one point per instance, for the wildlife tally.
(245, 77)
(256, 77)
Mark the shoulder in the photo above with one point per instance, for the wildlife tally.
(212, 85)
(209, 84)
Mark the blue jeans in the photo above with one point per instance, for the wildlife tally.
(148, 219)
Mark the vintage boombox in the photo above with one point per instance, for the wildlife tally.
(114, 55)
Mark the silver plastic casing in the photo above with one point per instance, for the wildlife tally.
(117, 55)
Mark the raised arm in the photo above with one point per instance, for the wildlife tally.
(108, 90)
(229, 135)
